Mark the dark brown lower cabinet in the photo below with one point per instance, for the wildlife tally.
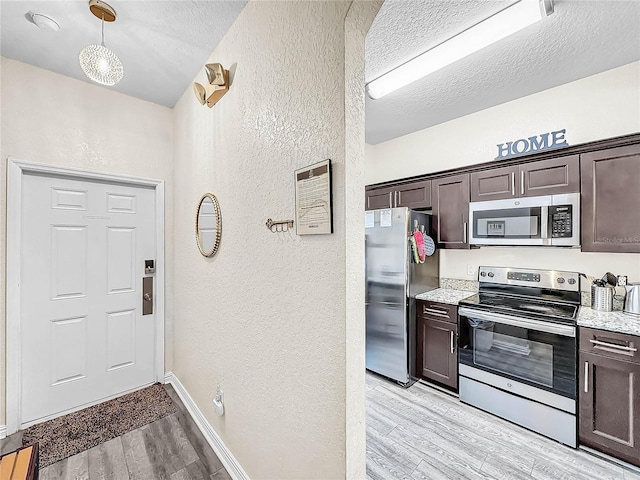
(609, 392)
(437, 354)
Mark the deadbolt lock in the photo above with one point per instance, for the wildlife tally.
(149, 266)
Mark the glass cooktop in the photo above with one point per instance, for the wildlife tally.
(517, 305)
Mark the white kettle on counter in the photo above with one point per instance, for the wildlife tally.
(632, 300)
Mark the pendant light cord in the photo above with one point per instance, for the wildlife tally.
(103, 29)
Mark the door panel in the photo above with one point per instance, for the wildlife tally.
(376, 198)
(83, 336)
(118, 203)
(550, 177)
(66, 199)
(437, 361)
(610, 202)
(610, 422)
(121, 259)
(494, 184)
(121, 339)
(451, 210)
(68, 261)
(415, 195)
(68, 353)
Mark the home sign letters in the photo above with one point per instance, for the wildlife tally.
(537, 143)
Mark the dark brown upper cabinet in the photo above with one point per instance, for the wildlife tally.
(610, 199)
(609, 379)
(494, 184)
(450, 199)
(544, 177)
(415, 195)
(437, 354)
(378, 198)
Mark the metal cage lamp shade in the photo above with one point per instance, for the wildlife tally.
(98, 62)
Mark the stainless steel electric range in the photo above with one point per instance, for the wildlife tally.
(518, 348)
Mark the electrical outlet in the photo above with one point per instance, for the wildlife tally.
(622, 280)
(471, 269)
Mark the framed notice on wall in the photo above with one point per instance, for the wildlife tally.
(313, 199)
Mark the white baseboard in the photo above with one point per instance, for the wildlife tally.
(3, 431)
(226, 457)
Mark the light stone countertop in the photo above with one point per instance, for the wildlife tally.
(445, 295)
(615, 321)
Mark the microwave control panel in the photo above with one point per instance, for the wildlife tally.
(560, 220)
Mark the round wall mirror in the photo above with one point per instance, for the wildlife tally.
(208, 225)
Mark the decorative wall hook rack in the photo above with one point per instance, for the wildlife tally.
(277, 226)
(218, 79)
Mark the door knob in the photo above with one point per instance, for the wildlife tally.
(148, 297)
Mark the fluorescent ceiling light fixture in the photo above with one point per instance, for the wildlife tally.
(504, 23)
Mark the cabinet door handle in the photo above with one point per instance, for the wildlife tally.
(513, 184)
(522, 182)
(433, 311)
(614, 346)
(464, 232)
(586, 377)
(390, 202)
(396, 196)
(451, 332)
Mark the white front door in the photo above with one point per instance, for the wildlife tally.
(83, 335)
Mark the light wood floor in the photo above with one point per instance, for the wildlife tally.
(421, 433)
(412, 434)
(172, 448)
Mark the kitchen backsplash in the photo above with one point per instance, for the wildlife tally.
(457, 284)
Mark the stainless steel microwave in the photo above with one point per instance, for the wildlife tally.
(550, 220)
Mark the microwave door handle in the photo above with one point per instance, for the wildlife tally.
(544, 223)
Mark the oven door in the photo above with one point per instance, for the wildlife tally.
(536, 353)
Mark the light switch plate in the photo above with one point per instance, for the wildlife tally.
(471, 269)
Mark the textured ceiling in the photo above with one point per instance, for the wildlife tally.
(582, 38)
(162, 44)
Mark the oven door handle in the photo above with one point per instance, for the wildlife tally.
(564, 330)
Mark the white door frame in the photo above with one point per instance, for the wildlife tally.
(15, 170)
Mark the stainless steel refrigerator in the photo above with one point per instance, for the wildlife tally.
(393, 281)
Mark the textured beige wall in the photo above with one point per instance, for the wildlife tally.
(53, 119)
(359, 18)
(267, 317)
(593, 108)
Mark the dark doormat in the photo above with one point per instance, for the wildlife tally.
(65, 436)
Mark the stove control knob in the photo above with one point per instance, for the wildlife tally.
(572, 281)
(560, 280)
(483, 274)
(490, 274)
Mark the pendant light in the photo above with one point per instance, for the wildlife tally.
(98, 62)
